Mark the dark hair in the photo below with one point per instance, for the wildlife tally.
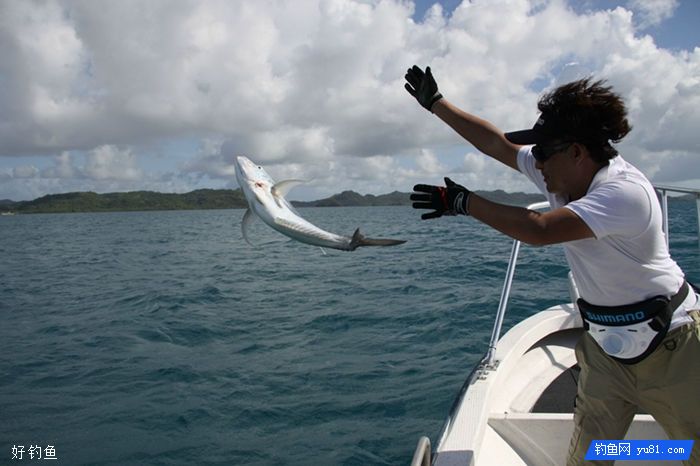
(590, 113)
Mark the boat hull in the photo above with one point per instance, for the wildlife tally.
(519, 410)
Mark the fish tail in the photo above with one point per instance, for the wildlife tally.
(360, 240)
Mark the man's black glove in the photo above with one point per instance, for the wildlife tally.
(422, 86)
(450, 200)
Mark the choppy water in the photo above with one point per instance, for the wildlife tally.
(163, 338)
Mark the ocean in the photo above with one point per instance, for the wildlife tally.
(151, 338)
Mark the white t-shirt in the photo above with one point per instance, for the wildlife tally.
(628, 260)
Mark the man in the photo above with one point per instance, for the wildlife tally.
(642, 345)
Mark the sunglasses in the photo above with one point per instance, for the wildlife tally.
(543, 152)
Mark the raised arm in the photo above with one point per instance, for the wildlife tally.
(480, 133)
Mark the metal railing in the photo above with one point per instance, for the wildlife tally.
(664, 190)
(490, 358)
(422, 455)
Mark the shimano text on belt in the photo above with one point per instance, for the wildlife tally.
(631, 332)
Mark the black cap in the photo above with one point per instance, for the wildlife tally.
(546, 129)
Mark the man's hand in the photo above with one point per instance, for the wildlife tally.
(452, 199)
(422, 86)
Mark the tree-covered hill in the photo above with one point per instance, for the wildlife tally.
(130, 201)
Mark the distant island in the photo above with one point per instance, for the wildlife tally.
(219, 199)
(128, 201)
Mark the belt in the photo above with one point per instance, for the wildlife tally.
(678, 298)
(631, 332)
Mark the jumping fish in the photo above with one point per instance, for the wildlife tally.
(266, 200)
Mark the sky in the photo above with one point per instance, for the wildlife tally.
(161, 95)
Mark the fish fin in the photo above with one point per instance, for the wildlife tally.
(248, 219)
(359, 240)
(282, 188)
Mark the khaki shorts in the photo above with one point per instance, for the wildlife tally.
(666, 385)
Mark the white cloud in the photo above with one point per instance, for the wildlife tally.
(314, 88)
(429, 163)
(63, 168)
(213, 161)
(652, 12)
(25, 171)
(111, 163)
